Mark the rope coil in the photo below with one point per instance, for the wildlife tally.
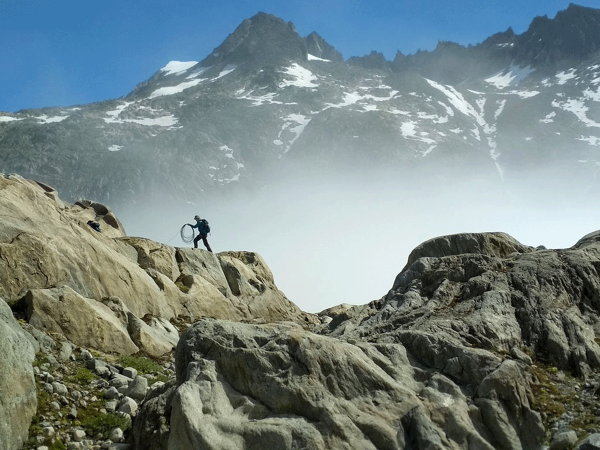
(185, 235)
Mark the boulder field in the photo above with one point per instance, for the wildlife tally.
(482, 342)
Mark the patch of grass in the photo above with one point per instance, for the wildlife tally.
(83, 376)
(58, 445)
(44, 400)
(548, 398)
(95, 423)
(140, 363)
(40, 359)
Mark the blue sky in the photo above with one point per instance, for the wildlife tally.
(63, 52)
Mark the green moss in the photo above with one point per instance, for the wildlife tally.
(83, 376)
(95, 423)
(44, 400)
(40, 359)
(58, 445)
(140, 363)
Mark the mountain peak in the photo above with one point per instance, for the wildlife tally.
(261, 38)
(317, 46)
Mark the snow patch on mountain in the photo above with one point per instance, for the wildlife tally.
(9, 119)
(47, 119)
(409, 131)
(500, 109)
(457, 100)
(591, 95)
(577, 107)
(563, 76)
(316, 58)
(170, 90)
(461, 104)
(522, 94)
(161, 121)
(259, 100)
(177, 67)
(353, 98)
(226, 71)
(549, 118)
(299, 77)
(300, 121)
(196, 73)
(510, 76)
(229, 171)
(592, 140)
(193, 81)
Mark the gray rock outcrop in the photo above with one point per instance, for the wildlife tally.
(258, 386)
(18, 397)
(488, 291)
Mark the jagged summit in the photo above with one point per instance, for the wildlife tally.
(317, 46)
(263, 37)
(374, 60)
(572, 36)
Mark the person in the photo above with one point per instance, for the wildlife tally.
(203, 230)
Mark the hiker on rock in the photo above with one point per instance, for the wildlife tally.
(203, 230)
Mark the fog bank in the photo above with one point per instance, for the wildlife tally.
(344, 239)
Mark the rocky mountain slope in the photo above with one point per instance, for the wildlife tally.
(482, 343)
(514, 109)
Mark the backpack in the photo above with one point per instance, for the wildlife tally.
(203, 227)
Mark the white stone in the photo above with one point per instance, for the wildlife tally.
(78, 435)
(130, 372)
(128, 406)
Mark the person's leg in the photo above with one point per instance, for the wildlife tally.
(206, 243)
(196, 239)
